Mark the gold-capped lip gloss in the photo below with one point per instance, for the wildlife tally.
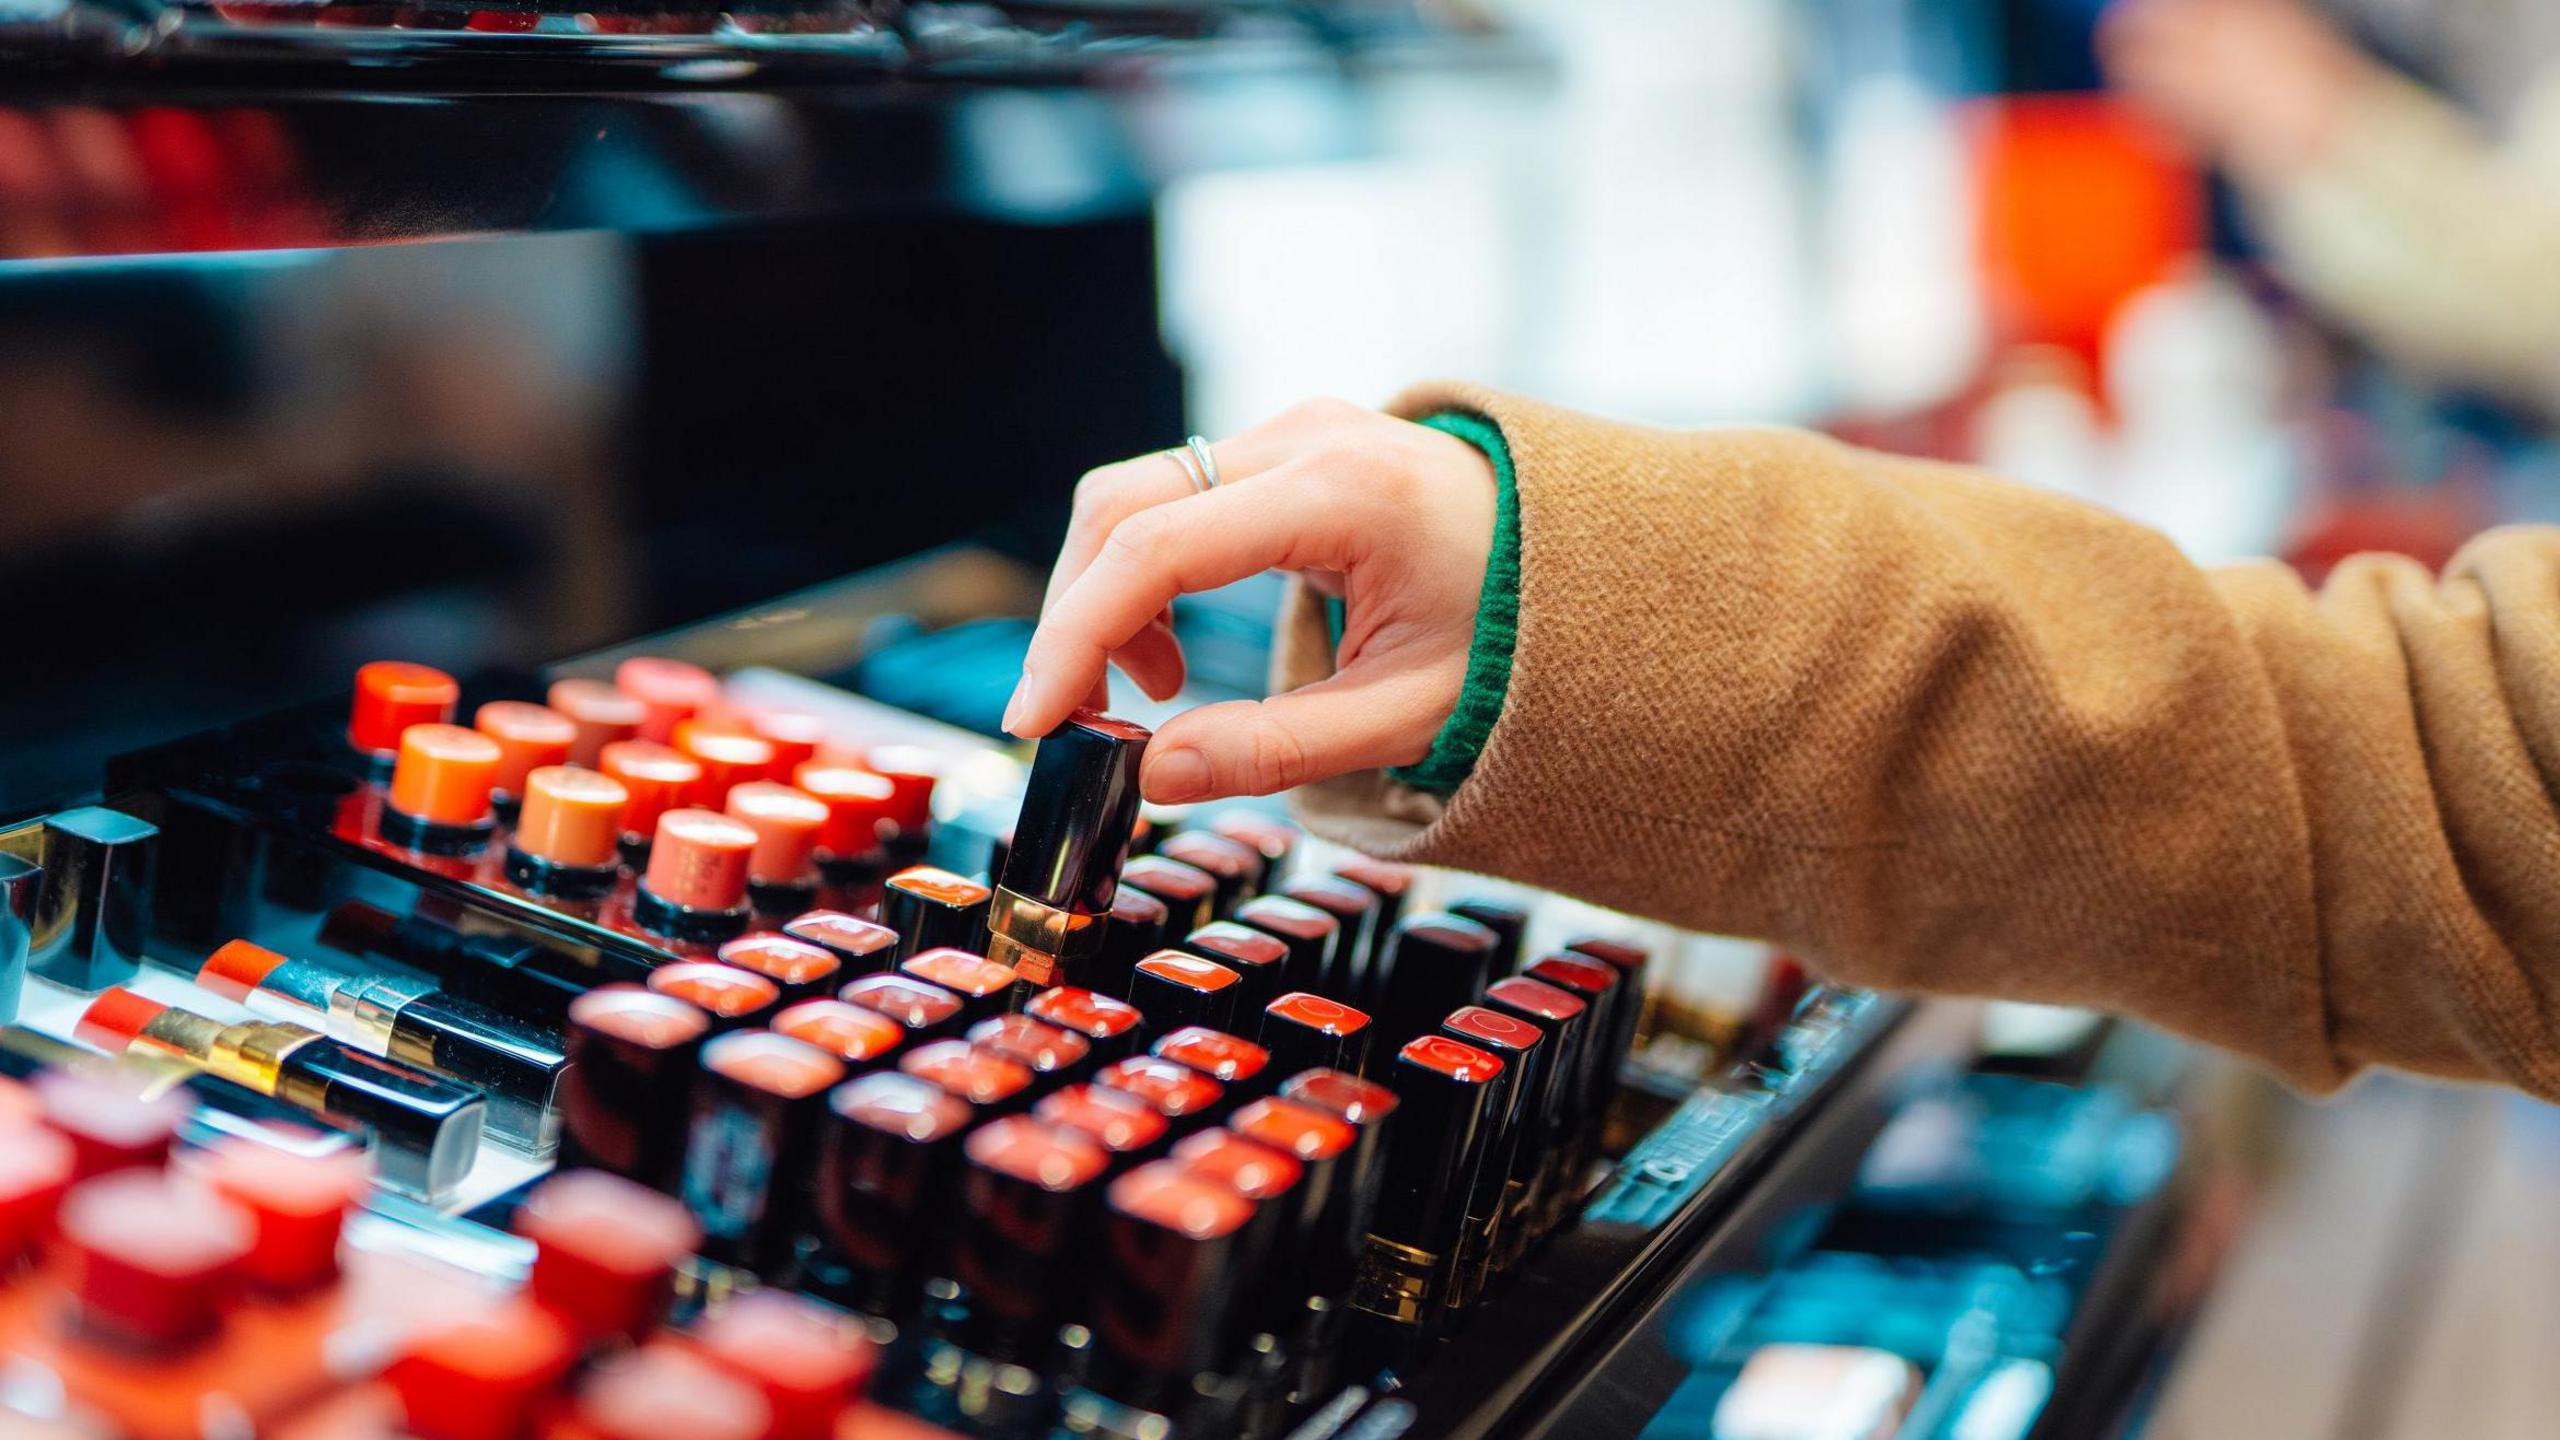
(427, 1128)
(1079, 812)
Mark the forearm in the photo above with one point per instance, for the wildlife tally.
(1939, 732)
(2412, 229)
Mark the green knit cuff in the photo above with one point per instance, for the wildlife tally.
(1488, 680)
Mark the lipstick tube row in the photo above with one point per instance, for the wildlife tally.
(644, 799)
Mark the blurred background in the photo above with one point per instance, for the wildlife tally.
(484, 336)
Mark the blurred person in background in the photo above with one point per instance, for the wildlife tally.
(2380, 201)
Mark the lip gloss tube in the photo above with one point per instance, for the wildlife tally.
(799, 971)
(992, 1084)
(601, 714)
(734, 999)
(1266, 835)
(696, 886)
(440, 791)
(529, 737)
(888, 1174)
(1241, 1066)
(1500, 1188)
(567, 835)
(1190, 895)
(751, 1156)
(859, 946)
(1028, 1193)
(912, 773)
(669, 692)
(728, 759)
(391, 696)
(924, 1010)
(932, 908)
(1309, 1032)
(633, 1055)
(427, 1129)
(1431, 965)
(1167, 1309)
(1260, 960)
(1310, 934)
(1062, 869)
(852, 845)
(863, 1039)
(1266, 1266)
(1055, 1057)
(1187, 1099)
(984, 987)
(1443, 1087)
(1111, 1026)
(1560, 1101)
(409, 1021)
(1236, 868)
(1135, 931)
(1173, 988)
(1128, 1129)
(1631, 962)
(1507, 922)
(1355, 909)
(656, 779)
(782, 871)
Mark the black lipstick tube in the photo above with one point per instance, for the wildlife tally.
(1509, 924)
(1558, 1106)
(1168, 1307)
(632, 1057)
(1431, 965)
(514, 975)
(1174, 988)
(1501, 1188)
(1112, 1026)
(1309, 1032)
(1056, 1057)
(801, 971)
(1443, 1087)
(1351, 1211)
(93, 897)
(1062, 868)
(888, 1175)
(735, 999)
(985, 987)
(1136, 930)
(1267, 1266)
(1355, 909)
(751, 1158)
(1237, 868)
(860, 947)
(1187, 1099)
(1029, 1194)
(1631, 962)
(1241, 1066)
(1260, 960)
(1311, 935)
(925, 1010)
(1271, 837)
(1391, 883)
(1128, 1129)
(512, 1064)
(1189, 894)
(932, 908)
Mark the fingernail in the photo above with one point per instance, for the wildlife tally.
(1013, 708)
(1174, 776)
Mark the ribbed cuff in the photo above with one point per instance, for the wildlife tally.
(1454, 750)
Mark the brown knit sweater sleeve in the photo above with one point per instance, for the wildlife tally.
(1939, 732)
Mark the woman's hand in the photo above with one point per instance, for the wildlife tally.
(2261, 85)
(1394, 517)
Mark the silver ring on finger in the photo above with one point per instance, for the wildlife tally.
(1199, 447)
(1181, 456)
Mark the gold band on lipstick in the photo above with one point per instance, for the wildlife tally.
(1039, 941)
(251, 1053)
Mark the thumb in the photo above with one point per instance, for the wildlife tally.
(1361, 718)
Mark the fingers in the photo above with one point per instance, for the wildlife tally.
(1197, 543)
(1360, 719)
